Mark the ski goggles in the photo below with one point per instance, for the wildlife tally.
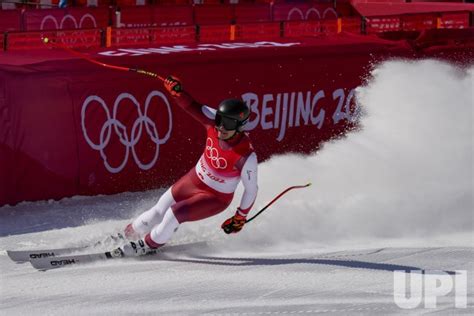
(229, 124)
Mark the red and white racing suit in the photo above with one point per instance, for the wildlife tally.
(208, 188)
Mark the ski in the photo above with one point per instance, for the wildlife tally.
(26, 255)
(49, 263)
(20, 256)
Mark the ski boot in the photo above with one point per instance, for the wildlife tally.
(134, 249)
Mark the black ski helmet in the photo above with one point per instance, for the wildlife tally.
(233, 114)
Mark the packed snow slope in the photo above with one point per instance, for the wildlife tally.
(396, 194)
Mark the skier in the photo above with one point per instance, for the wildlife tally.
(208, 188)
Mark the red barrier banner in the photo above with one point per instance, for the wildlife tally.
(173, 15)
(133, 17)
(454, 20)
(130, 3)
(214, 33)
(213, 14)
(418, 22)
(118, 131)
(258, 31)
(32, 170)
(329, 26)
(173, 2)
(174, 35)
(451, 1)
(438, 38)
(130, 37)
(10, 20)
(383, 24)
(345, 9)
(106, 131)
(69, 38)
(352, 25)
(152, 16)
(302, 28)
(372, 9)
(157, 35)
(303, 11)
(252, 13)
(62, 19)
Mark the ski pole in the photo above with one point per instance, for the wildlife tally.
(48, 41)
(276, 198)
(229, 228)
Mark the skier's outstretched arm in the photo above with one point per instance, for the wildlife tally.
(202, 113)
(249, 178)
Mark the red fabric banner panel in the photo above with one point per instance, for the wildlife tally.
(66, 19)
(133, 16)
(383, 24)
(213, 14)
(86, 129)
(379, 9)
(130, 37)
(174, 35)
(173, 15)
(214, 33)
(72, 38)
(251, 13)
(150, 16)
(418, 22)
(455, 20)
(302, 28)
(256, 31)
(10, 20)
(105, 131)
(303, 11)
(40, 142)
(352, 25)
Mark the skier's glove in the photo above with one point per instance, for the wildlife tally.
(234, 224)
(173, 86)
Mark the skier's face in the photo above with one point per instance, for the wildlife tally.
(224, 134)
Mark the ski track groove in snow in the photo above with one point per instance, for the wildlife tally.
(177, 285)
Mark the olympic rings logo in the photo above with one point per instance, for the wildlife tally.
(60, 26)
(112, 124)
(302, 16)
(68, 17)
(213, 154)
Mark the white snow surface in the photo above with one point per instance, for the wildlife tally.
(397, 194)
